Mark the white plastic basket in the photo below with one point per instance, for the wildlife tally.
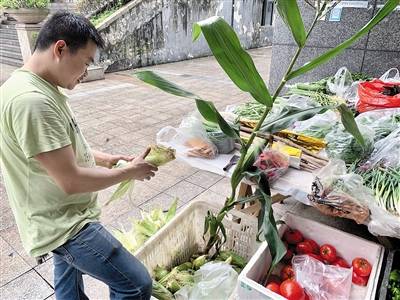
(348, 245)
(182, 237)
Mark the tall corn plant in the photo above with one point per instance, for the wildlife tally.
(239, 66)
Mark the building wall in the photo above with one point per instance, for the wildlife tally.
(148, 32)
(373, 54)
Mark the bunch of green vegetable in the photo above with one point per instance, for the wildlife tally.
(382, 124)
(250, 110)
(342, 145)
(394, 285)
(143, 229)
(319, 86)
(167, 282)
(385, 183)
(319, 97)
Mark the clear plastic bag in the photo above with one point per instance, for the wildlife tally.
(383, 223)
(273, 163)
(391, 75)
(336, 193)
(190, 137)
(386, 151)
(214, 280)
(322, 282)
(342, 145)
(383, 121)
(340, 83)
(318, 126)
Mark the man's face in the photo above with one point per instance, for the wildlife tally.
(73, 66)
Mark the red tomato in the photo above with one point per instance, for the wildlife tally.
(293, 236)
(306, 296)
(315, 256)
(359, 280)
(361, 266)
(273, 286)
(288, 256)
(287, 272)
(328, 253)
(340, 262)
(314, 245)
(304, 248)
(291, 290)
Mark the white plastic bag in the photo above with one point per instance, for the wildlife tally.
(386, 151)
(322, 282)
(214, 280)
(391, 75)
(318, 126)
(341, 82)
(383, 223)
(190, 137)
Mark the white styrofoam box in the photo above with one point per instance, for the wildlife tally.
(347, 246)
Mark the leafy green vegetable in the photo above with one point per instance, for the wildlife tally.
(394, 285)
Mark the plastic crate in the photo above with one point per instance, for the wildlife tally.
(177, 241)
(349, 246)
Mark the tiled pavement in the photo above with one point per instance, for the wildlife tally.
(122, 115)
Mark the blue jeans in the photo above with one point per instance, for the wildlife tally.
(95, 251)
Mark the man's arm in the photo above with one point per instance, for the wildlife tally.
(61, 165)
(108, 160)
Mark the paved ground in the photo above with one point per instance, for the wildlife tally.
(122, 115)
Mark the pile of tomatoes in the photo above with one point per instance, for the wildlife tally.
(286, 285)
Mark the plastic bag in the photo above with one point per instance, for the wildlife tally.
(322, 282)
(340, 83)
(383, 223)
(342, 145)
(377, 94)
(383, 121)
(273, 163)
(391, 75)
(190, 137)
(318, 126)
(214, 280)
(386, 152)
(338, 194)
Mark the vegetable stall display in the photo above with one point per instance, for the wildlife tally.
(238, 65)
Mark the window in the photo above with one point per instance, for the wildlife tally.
(267, 12)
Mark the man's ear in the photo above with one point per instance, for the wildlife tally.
(59, 48)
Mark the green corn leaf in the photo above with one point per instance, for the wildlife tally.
(234, 60)
(266, 221)
(382, 13)
(171, 211)
(350, 124)
(289, 115)
(290, 14)
(206, 108)
(122, 189)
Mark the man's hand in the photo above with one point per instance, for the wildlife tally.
(141, 169)
(109, 160)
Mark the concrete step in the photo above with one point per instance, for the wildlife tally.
(7, 26)
(11, 54)
(8, 36)
(9, 42)
(10, 48)
(11, 61)
(8, 31)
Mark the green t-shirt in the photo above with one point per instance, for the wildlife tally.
(35, 118)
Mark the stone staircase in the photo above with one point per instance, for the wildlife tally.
(10, 52)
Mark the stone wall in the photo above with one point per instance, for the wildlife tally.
(373, 54)
(147, 32)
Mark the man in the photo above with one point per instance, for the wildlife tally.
(49, 169)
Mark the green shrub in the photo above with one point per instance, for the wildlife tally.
(14, 4)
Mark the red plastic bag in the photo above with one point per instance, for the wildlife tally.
(371, 95)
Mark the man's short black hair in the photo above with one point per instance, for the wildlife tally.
(74, 29)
